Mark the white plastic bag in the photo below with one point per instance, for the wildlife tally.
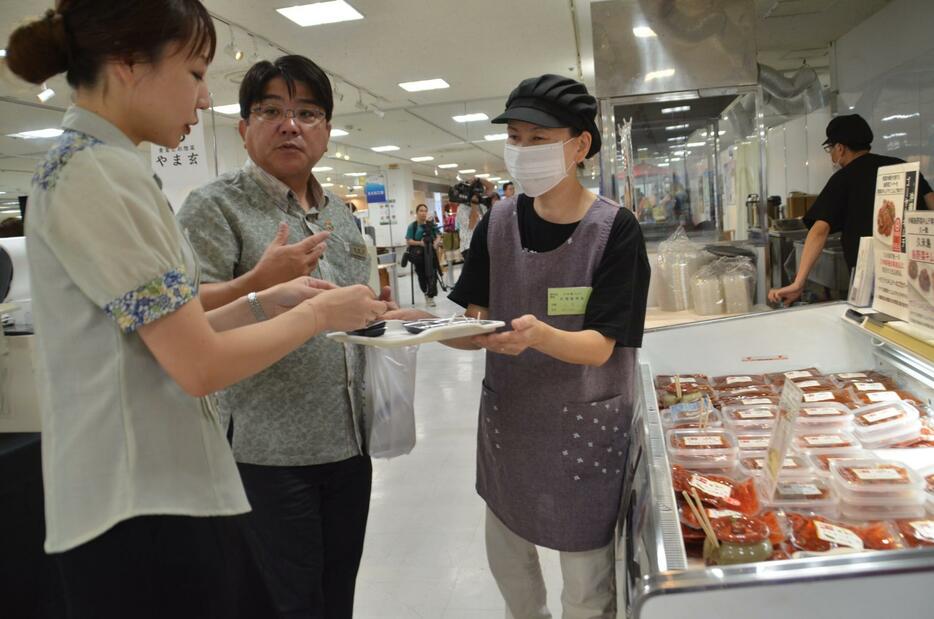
(678, 259)
(389, 414)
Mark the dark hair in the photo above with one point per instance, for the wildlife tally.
(11, 227)
(79, 36)
(509, 184)
(293, 69)
(425, 206)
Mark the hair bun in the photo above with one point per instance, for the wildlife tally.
(39, 50)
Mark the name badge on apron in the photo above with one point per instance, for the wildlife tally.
(568, 301)
(358, 251)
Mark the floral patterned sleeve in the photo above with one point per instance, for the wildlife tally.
(112, 229)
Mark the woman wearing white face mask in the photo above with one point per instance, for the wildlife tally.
(568, 271)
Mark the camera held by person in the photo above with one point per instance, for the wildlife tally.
(462, 192)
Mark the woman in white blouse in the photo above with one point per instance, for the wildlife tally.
(141, 491)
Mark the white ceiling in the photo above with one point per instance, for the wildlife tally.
(482, 48)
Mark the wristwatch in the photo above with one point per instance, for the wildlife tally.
(256, 307)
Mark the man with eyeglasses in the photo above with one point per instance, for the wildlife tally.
(846, 202)
(297, 426)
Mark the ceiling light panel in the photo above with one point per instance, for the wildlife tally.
(320, 13)
(447, 166)
(433, 84)
(467, 171)
(643, 32)
(422, 159)
(384, 149)
(471, 118)
(338, 133)
(38, 134)
(233, 108)
(495, 137)
(676, 109)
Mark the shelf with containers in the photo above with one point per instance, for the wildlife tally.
(852, 521)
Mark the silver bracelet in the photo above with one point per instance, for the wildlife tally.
(256, 307)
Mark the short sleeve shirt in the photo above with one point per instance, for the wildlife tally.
(120, 437)
(617, 304)
(847, 200)
(307, 408)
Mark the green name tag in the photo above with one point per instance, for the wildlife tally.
(568, 301)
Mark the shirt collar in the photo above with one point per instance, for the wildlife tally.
(85, 121)
(283, 193)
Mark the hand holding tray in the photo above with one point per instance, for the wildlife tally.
(395, 333)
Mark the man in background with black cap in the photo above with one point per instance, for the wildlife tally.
(846, 202)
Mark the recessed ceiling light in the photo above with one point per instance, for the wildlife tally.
(676, 127)
(327, 184)
(320, 13)
(384, 149)
(322, 168)
(447, 166)
(643, 32)
(46, 94)
(467, 171)
(495, 137)
(421, 159)
(676, 109)
(38, 134)
(346, 157)
(695, 144)
(470, 118)
(2, 53)
(338, 133)
(355, 187)
(483, 176)
(657, 75)
(355, 174)
(418, 86)
(233, 108)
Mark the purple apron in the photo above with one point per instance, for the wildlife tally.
(553, 437)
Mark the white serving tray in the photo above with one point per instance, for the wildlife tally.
(396, 334)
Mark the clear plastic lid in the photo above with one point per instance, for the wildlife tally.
(822, 416)
(880, 512)
(907, 433)
(880, 420)
(865, 398)
(816, 384)
(793, 466)
(827, 395)
(812, 493)
(876, 477)
(747, 392)
(730, 381)
(844, 379)
(747, 418)
(703, 449)
(779, 378)
(809, 443)
(917, 533)
(821, 462)
(689, 416)
(748, 400)
(752, 442)
(663, 380)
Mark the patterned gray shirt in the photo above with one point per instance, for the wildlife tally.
(307, 408)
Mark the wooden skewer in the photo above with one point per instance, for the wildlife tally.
(700, 519)
(705, 413)
(678, 386)
(700, 506)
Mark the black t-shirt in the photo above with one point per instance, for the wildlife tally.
(616, 308)
(847, 201)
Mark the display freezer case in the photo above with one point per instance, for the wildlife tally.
(655, 577)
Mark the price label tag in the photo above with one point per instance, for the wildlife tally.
(732, 380)
(749, 401)
(809, 383)
(818, 396)
(852, 375)
(924, 529)
(823, 440)
(754, 443)
(703, 441)
(711, 487)
(756, 413)
(794, 489)
(724, 513)
(821, 412)
(885, 413)
(838, 535)
(869, 386)
(883, 396)
(878, 474)
(798, 374)
(789, 406)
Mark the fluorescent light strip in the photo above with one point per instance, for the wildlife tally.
(355, 174)
(433, 84)
(678, 139)
(37, 134)
(657, 75)
(695, 144)
(675, 110)
(338, 133)
(323, 168)
(467, 171)
(384, 149)
(643, 32)
(470, 118)
(483, 176)
(233, 108)
(327, 184)
(447, 166)
(495, 137)
(676, 127)
(320, 13)
(900, 134)
(423, 159)
(900, 117)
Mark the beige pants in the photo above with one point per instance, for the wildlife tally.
(589, 577)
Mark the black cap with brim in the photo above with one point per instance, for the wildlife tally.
(554, 102)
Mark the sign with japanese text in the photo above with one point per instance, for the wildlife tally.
(896, 196)
(789, 406)
(919, 232)
(184, 168)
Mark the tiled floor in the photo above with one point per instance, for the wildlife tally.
(424, 556)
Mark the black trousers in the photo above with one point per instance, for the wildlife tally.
(426, 269)
(155, 567)
(309, 522)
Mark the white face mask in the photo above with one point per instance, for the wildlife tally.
(538, 169)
